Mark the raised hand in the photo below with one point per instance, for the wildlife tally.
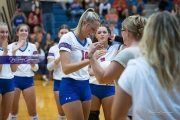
(95, 46)
(16, 46)
(5, 47)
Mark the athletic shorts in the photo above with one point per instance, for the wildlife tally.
(73, 90)
(6, 85)
(23, 82)
(102, 91)
(56, 85)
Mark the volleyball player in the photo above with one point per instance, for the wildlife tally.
(24, 75)
(6, 75)
(103, 94)
(75, 93)
(54, 64)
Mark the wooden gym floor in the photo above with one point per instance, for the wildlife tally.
(45, 102)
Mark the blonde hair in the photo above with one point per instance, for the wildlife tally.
(16, 38)
(161, 45)
(3, 24)
(90, 16)
(135, 25)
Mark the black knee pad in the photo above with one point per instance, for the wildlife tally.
(94, 115)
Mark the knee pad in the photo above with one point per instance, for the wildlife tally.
(94, 115)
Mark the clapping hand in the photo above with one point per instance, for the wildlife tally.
(16, 46)
(4, 46)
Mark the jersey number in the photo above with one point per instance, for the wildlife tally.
(84, 55)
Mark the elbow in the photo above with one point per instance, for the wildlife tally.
(66, 71)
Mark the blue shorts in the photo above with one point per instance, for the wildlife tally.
(72, 90)
(23, 82)
(6, 85)
(102, 91)
(56, 85)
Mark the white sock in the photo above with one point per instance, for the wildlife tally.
(34, 117)
(61, 117)
(13, 117)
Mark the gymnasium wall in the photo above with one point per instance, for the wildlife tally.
(7, 8)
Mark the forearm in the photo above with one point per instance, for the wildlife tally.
(69, 68)
(14, 66)
(51, 65)
(34, 67)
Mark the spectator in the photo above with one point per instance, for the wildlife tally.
(113, 29)
(18, 3)
(37, 35)
(75, 9)
(42, 58)
(26, 7)
(121, 8)
(35, 19)
(176, 11)
(36, 3)
(18, 18)
(162, 5)
(138, 8)
(63, 4)
(104, 6)
(92, 4)
(112, 16)
(48, 17)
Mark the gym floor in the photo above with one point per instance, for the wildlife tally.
(45, 102)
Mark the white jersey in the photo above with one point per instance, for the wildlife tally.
(54, 54)
(150, 100)
(109, 56)
(78, 52)
(6, 72)
(24, 70)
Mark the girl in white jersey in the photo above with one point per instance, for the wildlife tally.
(24, 76)
(6, 75)
(132, 31)
(154, 84)
(54, 64)
(103, 94)
(75, 94)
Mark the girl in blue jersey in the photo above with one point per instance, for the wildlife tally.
(24, 75)
(6, 75)
(75, 93)
(54, 64)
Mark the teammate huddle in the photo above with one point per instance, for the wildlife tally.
(145, 85)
